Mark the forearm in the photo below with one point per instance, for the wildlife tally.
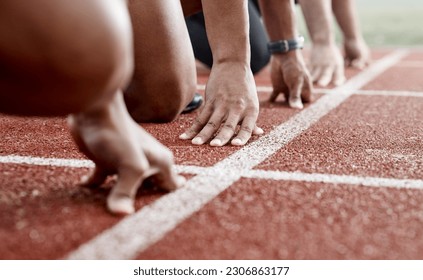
(279, 19)
(347, 18)
(227, 28)
(318, 17)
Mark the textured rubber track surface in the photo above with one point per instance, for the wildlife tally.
(341, 179)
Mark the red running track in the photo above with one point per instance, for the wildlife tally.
(341, 179)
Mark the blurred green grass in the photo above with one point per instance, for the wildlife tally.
(387, 22)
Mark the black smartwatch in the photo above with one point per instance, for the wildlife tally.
(284, 46)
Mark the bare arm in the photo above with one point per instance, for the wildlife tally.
(289, 74)
(357, 53)
(231, 96)
(318, 16)
(346, 16)
(228, 30)
(326, 61)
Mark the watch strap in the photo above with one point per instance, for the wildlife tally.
(284, 46)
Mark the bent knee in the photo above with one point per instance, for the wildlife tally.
(103, 53)
(178, 94)
(71, 59)
(161, 102)
(68, 60)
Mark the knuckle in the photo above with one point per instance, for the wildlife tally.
(191, 131)
(229, 126)
(212, 125)
(247, 129)
(254, 110)
(240, 105)
(198, 122)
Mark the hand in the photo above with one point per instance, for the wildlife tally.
(357, 53)
(231, 99)
(118, 145)
(327, 65)
(290, 77)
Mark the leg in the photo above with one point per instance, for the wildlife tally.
(164, 79)
(55, 56)
(260, 56)
(200, 44)
(68, 61)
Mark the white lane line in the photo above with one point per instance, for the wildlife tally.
(390, 93)
(248, 173)
(334, 179)
(403, 93)
(260, 89)
(75, 163)
(81, 163)
(201, 87)
(137, 232)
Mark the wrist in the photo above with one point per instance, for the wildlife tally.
(243, 63)
(323, 40)
(291, 55)
(285, 46)
(324, 46)
(353, 39)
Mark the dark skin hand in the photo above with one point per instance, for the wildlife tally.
(132, 153)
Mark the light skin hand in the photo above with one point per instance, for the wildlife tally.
(357, 53)
(288, 71)
(231, 95)
(291, 78)
(327, 65)
(118, 145)
(326, 61)
(231, 100)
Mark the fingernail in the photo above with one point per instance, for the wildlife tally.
(340, 81)
(197, 141)
(259, 131)
(183, 136)
(296, 104)
(322, 84)
(181, 181)
(237, 142)
(216, 142)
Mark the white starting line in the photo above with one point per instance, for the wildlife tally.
(364, 181)
(137, 232)
(402, 93)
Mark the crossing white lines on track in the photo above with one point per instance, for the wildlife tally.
(403, 93)
(154, 221)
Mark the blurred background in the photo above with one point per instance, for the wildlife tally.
(388, 22)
